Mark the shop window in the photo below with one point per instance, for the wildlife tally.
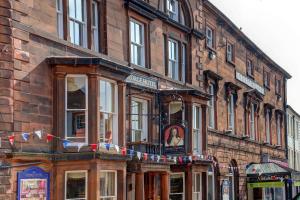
(108, 185)
(176, 112)
(59, 19)
(139, 120)
(210, 184)
(95, 26)
(76, 108)
(278, 129)
(177, 186)
(273, 193)
(250, 68)
(197, 186)
(108, 112)
(211, 106)
(210, 40)
(197, 125)
(137, 47)
(230, 52)
(268, 126)
(77, 22)
(76, 185)
(231, 112)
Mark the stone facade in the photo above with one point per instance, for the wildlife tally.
(32, 90)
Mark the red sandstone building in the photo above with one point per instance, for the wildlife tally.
(132, 99)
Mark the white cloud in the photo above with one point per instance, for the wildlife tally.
(274, 26)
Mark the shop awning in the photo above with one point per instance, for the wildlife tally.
(266, 169)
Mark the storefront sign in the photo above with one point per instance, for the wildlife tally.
(174, 139)
(297, 183)
(142, 81)
(251, 83)
(33, 183)
(266, 184)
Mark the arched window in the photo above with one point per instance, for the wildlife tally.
(176, 11)
(233, 176)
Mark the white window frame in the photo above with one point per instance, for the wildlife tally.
(86, 183)
(252, 126)
(197, 131)
(231, 113)
(95, 26)
(209, 37)
(116, 184)
(85, 110)
(212, 175)
(173, 61)
(278, 128)
(268, 131)
(183, 60)
(59, 19)
(173, 14)
(133, 43)
(83, 23)
(183, 177)
(144, 120)
(114, 113)
(194, 185)
(211, 106)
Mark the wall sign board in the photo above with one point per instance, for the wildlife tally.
(249, 82)
(143, 81)
(33, 183)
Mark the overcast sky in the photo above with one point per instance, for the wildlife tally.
(274, 26)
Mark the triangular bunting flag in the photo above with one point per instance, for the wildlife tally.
(117, 148)
(49, 137)
(124, 151)
(79, 146)
(107, 146)
(94, 147)
(25, 136)
(152, 157)
(66, 143)
(158, 158)
(145, 156)
(180, 160)
(38, 133)
(139, 155)
(175, 159)
(131, 152)
(191, 158)
(11, 139)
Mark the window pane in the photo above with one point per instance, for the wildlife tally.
(107, 184)
(76, 185)
(210, 186)
(76, 92)
(106, 96)
(176, 183)
(72, 8)
(106, 127)
(76, 124)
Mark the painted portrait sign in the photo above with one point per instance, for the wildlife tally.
(174, 138)
(33, 184)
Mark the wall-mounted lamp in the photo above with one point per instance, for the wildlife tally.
(211, 55)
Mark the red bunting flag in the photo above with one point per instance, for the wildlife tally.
(93, 147)
(124, 151)
(145, 156)
(180, 160)
(11, 139)
(164, 158)
(49, 137)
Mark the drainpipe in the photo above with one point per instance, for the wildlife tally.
(285, 117)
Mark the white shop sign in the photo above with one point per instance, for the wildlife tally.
(248, 81)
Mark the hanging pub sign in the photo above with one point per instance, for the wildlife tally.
(174, 136)
(33, 184)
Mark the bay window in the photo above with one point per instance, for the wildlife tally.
(108, 112)
(76, 185)
(231, 112)
(177, 186)
(197, 186)
(211, 106)
(108, 185)
(139, 120)
(95, 26)
(76, 116)
(77, 22)
(197, 129)
(137, 47)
